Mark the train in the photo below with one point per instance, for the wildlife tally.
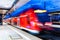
(30, 21)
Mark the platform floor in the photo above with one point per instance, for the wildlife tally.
(8, 34)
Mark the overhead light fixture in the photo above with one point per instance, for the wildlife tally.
(40, 11)
(6, 3)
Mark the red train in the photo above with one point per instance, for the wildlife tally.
(29, 21)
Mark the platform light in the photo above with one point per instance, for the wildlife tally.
(40, 11)
(6, 3)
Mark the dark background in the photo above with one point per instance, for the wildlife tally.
(0, 19)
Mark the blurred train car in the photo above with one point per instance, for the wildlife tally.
(29, 21)
(14, 21)
(8, 21)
